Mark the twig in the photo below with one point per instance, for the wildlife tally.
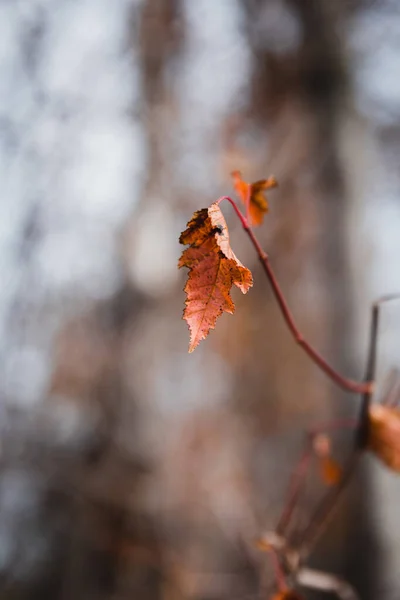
(364, 387)
(327, 507)
(296, 485)
(362, 434)
(298, 476)
(330, 501)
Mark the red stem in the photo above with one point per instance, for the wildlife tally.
(297, 480)
(356, 387)
(296, 485)
(278, 571)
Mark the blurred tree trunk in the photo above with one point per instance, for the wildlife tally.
(184, 456)
(301, 101)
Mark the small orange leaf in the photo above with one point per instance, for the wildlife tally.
(213, 269)
(253, 196)
(384, 434)
(331, 471)
(263, 545)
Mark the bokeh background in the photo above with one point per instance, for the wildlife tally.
(130, 469)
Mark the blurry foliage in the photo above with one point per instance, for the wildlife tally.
(126, 471)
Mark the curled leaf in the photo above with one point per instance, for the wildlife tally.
(253, 196)
(213, 269)
(384, 434)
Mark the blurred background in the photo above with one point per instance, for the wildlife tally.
(129, 468)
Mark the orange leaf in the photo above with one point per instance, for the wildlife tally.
(330, 470)
(263, 545)
(253, 196)
(213, 269)
(384, 434)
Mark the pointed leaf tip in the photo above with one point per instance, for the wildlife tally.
(253, 196)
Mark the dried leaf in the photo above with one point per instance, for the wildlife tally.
(384, 434)
(331, 471)
(253, 196)
(213, 269)
(263, 545)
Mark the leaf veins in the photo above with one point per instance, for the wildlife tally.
(213, 269)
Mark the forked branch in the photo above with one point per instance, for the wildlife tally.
(356, 387)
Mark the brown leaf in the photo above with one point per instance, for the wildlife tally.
(384, 434)
(213, 269)
(330, 470)
(263, 545)
(253, 196)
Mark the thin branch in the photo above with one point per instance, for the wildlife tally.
(295, 487)
(330, 501)
(362, 433)
(278, 571)
(365, 387)
(327, 507)
(299, 473)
